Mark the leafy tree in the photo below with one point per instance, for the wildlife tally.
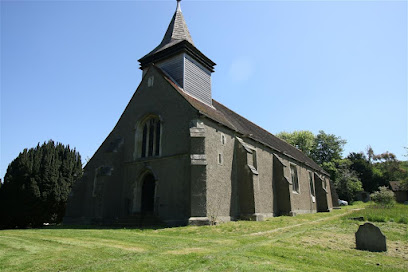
(321, 148)
(345, 181)
(388, 168)
(303, 140)
(404, 167)
(347, 185)
(364, 170)
(327, 148)
(377, 170)
(404, 184)
(37, 184)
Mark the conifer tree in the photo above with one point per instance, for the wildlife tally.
(37, 184)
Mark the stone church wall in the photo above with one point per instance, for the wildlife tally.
(121, 166)
(264, 193)
(302, 202)
(232, 187)
(224, 179)
(329, 196)
(221, 172)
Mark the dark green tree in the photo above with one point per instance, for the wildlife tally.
(347, 185)
(364, 170)
(37, 184)
(390, 168)
(327, 148)
(345, 180)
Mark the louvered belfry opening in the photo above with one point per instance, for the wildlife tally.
(178, 57)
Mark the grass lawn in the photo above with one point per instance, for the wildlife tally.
(377, 213)
(312, 242)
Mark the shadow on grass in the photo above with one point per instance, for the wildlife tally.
(106, 227)
(97, 227)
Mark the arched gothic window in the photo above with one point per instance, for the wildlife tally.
(150, 134)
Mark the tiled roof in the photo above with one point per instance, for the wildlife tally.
(395, 186)
(223, 115)
(255, 132)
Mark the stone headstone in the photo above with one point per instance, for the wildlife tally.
(369, 237)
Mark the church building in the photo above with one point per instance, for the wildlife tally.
(181, 157)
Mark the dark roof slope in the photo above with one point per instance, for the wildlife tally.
(259, 134)
(236, 122)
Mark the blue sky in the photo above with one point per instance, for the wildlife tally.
(69, 68)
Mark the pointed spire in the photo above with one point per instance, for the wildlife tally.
(177, 29)
(177, 39)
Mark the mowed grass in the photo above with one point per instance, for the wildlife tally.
(312, 242)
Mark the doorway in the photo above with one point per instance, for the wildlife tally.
(148, 192)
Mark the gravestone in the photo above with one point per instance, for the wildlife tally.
(369, 237)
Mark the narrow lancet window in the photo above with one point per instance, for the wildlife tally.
(150, 144)
(144, 141)
(295, 181)
(312, 190)
(157, 147)
(151, 136)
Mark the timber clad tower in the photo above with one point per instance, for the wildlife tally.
(177, 56)
(180, 157)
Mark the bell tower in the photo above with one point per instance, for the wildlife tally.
(178, 57)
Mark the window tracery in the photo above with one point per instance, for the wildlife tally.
(150, 137)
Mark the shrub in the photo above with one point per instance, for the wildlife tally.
(383, 197)
(37, 184)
